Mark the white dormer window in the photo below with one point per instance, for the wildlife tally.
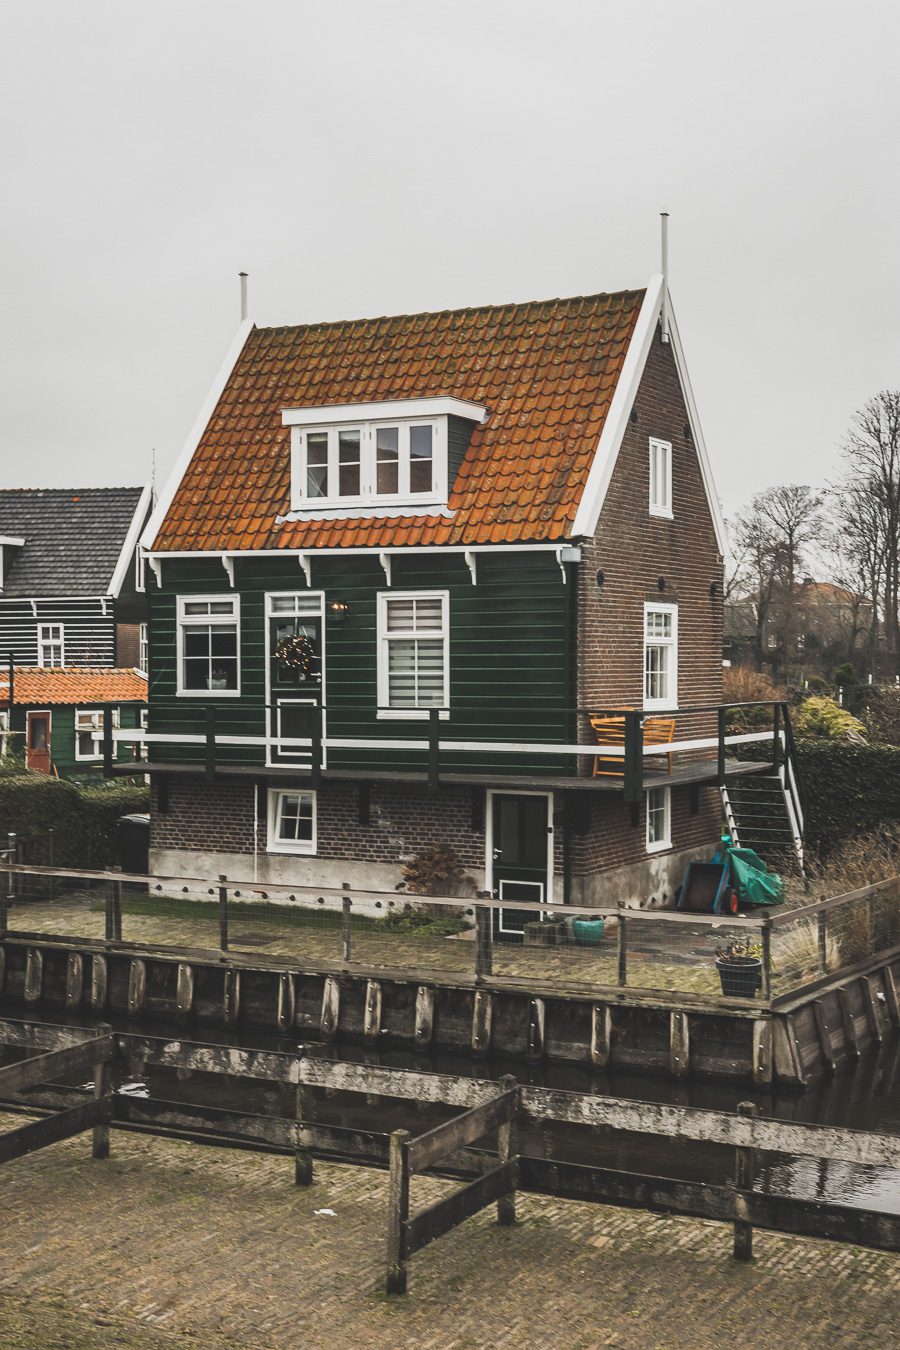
(373, 454)
(661, 478)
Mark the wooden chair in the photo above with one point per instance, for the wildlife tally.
(611, 731)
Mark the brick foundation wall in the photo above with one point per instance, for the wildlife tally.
(610, 839)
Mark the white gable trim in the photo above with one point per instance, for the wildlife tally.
(607, 452)
(328, 414)
(712, 496)
(131, 538)
(611, 437)
(187, 454)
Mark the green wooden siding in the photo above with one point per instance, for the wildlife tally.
(510, 654)
(62, 735)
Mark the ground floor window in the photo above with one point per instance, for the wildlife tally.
(659, 819)
(89, 732)
(292, 821)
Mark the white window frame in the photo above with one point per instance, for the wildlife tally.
(368, 496)
(143, 648)
(205, 621)
(140, 569)
(45, 642)
(658, 845)
(274, 844)
(662, 508)
(96, 727)
(671, 699)
(384, 639)
(4, 731)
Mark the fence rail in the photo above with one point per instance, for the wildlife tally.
(490, 941)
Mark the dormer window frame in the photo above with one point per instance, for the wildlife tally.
(330, 430)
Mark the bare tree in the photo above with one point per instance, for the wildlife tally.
(869, 511)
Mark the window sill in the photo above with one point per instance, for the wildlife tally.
(208, 693)
(409, 715)
(657, 705)
(660, 514)
(306, 850)
(662, 847)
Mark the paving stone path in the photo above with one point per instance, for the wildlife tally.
(169, 1244)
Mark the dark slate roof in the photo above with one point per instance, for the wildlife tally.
(73, 538)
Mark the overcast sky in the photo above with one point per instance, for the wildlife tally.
(362, 157)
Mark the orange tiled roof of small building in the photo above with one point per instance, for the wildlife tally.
(546, 372)
(74, 684)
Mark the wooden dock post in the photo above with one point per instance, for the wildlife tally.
(102, 1092)
(621, 950)
(345, 924)
(744, 1172)
(766, 943)
(398, 1213)
(223, 913)
(303, 1161)
(508, 1152)
(74, 979)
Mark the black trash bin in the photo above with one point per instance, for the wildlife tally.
(134, 843)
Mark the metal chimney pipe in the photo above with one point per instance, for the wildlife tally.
(243, 277)
(664, 223)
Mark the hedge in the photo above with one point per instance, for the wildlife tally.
(850, 789)
(83, 818)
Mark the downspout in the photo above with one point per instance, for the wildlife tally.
(571, 718)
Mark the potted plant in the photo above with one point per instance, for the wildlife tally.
(588, 931)
(739, 964)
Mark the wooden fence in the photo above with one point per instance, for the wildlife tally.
(92, 1054)
(487, 1107)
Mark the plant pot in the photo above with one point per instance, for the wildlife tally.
(545, 933)
(740, 979)
(588, 932)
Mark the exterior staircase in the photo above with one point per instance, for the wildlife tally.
(763, 812)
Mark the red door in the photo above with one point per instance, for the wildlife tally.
(37, 737)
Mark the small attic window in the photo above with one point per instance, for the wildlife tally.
(373, 454)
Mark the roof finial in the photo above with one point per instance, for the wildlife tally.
(243, 277)
(664, 224)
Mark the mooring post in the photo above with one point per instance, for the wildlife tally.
(821, 921)
(303, 1163)
(744, 1172)
(345, 922)
(766, 943)
(484, 956)
(117, 908)
(102, 1093)
(223, 913)
(108, 916)
(398, 1213)
(508, 1151)
(621, 950)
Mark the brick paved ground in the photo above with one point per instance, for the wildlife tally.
(170, 1244)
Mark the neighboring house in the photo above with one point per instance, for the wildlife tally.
(71, 578)
(56, 716)
(396, 556)
(823, 626)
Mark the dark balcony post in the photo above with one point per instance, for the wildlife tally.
(723, 724)
(633, 768)
(315, 766)
(107, 742)
(776, 733)
(434, 728)
(210, 744)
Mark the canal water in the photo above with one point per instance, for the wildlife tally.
(861, 1096)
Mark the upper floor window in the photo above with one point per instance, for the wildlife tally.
(660, 656)
(660, 478)
(374, 454)
(51, 645)
(208, 644)
(413, 652)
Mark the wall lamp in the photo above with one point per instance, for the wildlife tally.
(339, 610)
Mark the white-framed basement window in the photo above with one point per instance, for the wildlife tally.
(208, 646)
(291, 821)
(660, 656)
(89, 732)
(403, 461)
(51, 644)
(413, 653)
(660, 478)
(659, 819)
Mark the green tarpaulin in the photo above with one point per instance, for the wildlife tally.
(753, 881)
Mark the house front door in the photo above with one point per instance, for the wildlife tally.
(37, 741)
(520, 856)
(295, 675)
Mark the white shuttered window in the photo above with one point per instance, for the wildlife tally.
(413, 652)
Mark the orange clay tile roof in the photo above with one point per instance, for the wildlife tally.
(74, 684)
(546, 372)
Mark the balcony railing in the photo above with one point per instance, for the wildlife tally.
(538, 741)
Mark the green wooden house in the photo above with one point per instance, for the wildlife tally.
(449, 578)
(53, 717)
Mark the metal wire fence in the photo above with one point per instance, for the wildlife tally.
(750, 957)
